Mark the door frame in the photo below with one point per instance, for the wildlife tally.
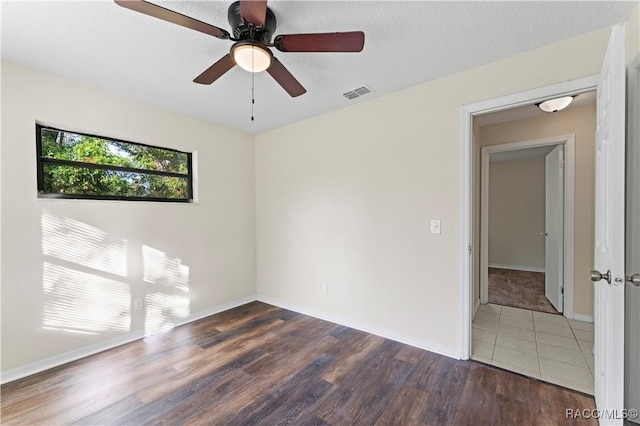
(568, 141)
(632, 261)
(467, 244)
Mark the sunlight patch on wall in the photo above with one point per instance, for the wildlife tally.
(73, 241)
(170, 302)
(159, 269)
(84, 303)
(80, 278)
(163, 310)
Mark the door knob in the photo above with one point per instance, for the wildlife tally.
(634, 279)
(543, 234)
(597, 276)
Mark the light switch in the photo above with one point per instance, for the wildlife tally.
(435, 226)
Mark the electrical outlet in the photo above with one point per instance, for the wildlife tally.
(325, 289)
(138, 304)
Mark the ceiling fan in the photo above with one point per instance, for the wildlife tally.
(253, 25)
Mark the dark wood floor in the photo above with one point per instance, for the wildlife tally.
(258, 364)
(520, 289)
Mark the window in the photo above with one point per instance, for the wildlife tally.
(75, 165)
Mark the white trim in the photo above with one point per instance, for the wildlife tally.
(368, 328)
(633, 166)
(476, 307)
(516, 267)
(632, 261)
(569, 206)
(484, 227)
(466, 139)
(195, 178)
(55, 361)
(467, 245)
(581, 317)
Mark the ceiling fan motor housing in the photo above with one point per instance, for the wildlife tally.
(242, 30)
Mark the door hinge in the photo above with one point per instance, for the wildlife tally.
(562, 290)
(469, 248)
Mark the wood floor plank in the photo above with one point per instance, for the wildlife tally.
(363, 396)
(352, 353)
(519, 289)
(406, 408)
(205, 363)
(239, 315)
(261, 365)
(313, 420)
(426, 372)
(287, 401)
(270, 320)
(444, 397)
(279, 365)
(222, 404)
(191, 393)
(267, 373)
(111, 413)
(410, 354)
(476, 405)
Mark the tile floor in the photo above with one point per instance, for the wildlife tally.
(537, 344)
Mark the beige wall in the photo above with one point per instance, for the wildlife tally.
(351, 208)
(517, 213)
(214, 238)
(581, 122)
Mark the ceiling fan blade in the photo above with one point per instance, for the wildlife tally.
(321, 42)
(254, 11)
(285, 79)
(216, 70)
(173, 17)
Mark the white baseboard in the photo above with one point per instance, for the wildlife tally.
(516, 267)
(581, 317)
(55, 361)
(368, 328)
(476, 307)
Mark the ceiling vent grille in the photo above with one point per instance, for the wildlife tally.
(356, 93)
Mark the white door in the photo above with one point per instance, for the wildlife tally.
(554, 227)
(609, 232)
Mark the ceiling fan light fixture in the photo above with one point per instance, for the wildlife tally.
(251, 57)
(554, 105)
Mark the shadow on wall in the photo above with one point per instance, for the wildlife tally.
(87, 286)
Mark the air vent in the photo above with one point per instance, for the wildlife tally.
(356, 93)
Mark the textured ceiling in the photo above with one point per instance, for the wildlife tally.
(407, 43)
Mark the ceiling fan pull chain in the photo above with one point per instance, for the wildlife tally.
(253, 85)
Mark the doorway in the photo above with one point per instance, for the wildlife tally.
(527, 224)
(469, 228)
(608, 218)
(546, 346)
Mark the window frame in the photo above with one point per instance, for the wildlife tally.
(42, 161)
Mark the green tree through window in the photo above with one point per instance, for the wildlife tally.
(74, 165)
